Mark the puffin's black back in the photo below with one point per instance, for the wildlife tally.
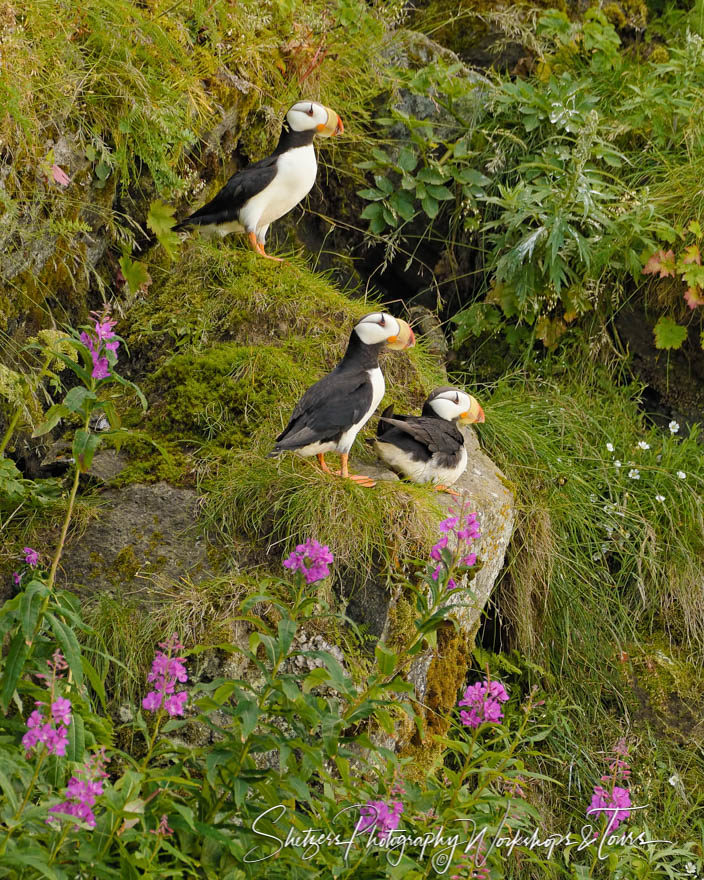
(420, 437)
(336, 402)
(246, 183)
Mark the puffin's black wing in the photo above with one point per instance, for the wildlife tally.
(327, 409)
(436, 435)
(244, 184)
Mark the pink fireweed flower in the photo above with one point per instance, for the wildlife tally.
(449, 524)
(61, 711)
(50, 730)
(82, 791)
(436, 552)
(31, 557)
(162, 828)
(165, 672)
(311, 559)
(615, 805)
(99, 342)
(376, 814)
(483, 700)
(17, 578)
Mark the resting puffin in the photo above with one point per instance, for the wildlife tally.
(429, 448)
(333, 411)
(261, 193)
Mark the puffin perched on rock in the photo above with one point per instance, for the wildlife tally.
(333, 411)
(261, 193)
(429, 448)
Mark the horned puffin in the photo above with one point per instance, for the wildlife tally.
(333, 411)
(261, 193)
(429, 448)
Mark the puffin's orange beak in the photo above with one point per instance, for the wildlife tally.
(405, 338)
(332, 126)
(474, 415)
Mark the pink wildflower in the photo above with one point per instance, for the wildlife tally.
(165, 672)
(615, 805)
(484, 701)
(311, 559)
(83, 790)
(31, 557)
(376, 814)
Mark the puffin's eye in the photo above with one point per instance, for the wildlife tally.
(457, 398)
(310, 112)
(382, 323)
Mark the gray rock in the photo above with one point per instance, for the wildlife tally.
(486, 489)
(141, 531)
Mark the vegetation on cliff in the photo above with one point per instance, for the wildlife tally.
(533, 206)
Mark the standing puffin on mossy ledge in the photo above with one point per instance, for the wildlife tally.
(429, 448)
(261, 193)
(333, 411)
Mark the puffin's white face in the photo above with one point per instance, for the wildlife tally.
(307, 116)
(382, 327)
(454, 405)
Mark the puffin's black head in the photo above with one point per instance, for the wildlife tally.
(454, 405)
(309, 116)
(380, 327)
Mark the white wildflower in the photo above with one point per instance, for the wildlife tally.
(596, 557)
(593, 498)
(660, 498)
(674, 427)
(690, 868)
(682, 475)
(634, 474)
(674, 780)
(643, 445)
(617, 463)
(609, 447)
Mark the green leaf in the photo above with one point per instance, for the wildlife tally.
(371, 195)
(248, 711)
(287, 630)
(430, 175)
(316, 677)
(69, 646)
(403, 205)
(431, 206)
(84, 445)
(371, 212)
(76, 739)
(386, 660)
(441, 193)
(407, 159)
(160, 220)
(76, 398)
(95, 680)
(135, 274)
(471, 175)
(53, 416)
(14, 664)
(384, 184)
(30, 603)
(669, 334)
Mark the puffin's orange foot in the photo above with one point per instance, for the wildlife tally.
(323, 464)
(260, 248)
(441, 488)
(363, 480)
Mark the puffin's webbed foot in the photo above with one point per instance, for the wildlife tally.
(363, 480)
(258, 248)
(441, 488)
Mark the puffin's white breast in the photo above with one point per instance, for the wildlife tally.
(376, 377)
(295, 175)
(420, 471)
